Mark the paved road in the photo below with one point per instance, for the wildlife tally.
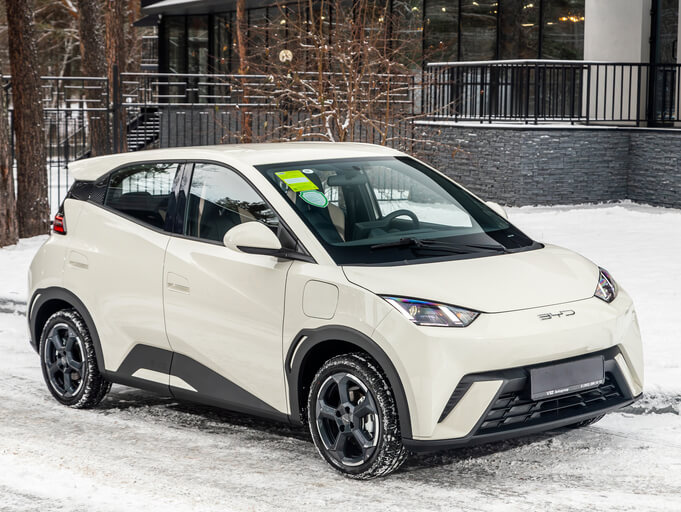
(149, 453)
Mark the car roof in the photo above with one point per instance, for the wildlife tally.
(233, 154)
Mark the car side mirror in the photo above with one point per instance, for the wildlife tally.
(252, 238)
(497, 209)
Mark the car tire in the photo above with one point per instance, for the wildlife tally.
(68, 361)
(353, 418)
(586, 423)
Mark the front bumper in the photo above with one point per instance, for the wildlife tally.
(433, 362)
(512, 413)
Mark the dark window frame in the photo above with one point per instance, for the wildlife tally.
(185, 183)
(105, 181)
(179, 194)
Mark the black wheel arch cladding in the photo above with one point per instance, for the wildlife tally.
(44, 297)
(305, 343)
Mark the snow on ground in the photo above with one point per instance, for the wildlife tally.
(641, 247)
(14, 263)
(153, 453)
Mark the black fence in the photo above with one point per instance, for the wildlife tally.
(541, 91)
(155, 110)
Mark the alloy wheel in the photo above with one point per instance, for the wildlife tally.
(64, 357)
(347, 419)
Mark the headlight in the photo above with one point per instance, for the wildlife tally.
(422, 312)
(607, 287)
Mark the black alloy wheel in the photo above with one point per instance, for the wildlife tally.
(353, 418)
(347, 419)
(68, 361)
(64, 358)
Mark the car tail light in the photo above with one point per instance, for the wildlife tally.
(59, 224)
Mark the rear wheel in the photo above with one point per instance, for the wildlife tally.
(353, 419)
(68, 361)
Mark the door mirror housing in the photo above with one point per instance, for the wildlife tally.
(497, 209)
(252, 238)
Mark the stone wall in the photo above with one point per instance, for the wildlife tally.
(521, 165)
(655, 168)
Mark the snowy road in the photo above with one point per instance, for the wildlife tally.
(140, 451)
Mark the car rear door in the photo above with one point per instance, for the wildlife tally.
(224, 309)
(114, 265)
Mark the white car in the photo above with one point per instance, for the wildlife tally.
(349, 287)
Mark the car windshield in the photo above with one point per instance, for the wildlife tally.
(385, 210)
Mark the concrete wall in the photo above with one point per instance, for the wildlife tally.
(534, 165)
(617, 30)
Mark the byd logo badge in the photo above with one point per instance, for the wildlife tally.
(560, 314)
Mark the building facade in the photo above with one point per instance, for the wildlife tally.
(547, 101)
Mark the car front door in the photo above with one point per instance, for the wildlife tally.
(224, 309)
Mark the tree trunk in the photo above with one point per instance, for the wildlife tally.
(93, 62)
(33, 210)
(9, 232)
(133, 41)
(116, 59)
(241, 45)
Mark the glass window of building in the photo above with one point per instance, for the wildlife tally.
(478, 29)
(441, 30)
(408, 31)
(177, 43)
(519, 29)
(667, 29)
(220, 60)
(197, 44)
(563, 30)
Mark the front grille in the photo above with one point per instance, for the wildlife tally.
(515, 409)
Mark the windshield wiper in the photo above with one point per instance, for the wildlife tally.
(434, 245)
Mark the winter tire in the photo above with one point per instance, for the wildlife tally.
(67, 358)
(353, 419)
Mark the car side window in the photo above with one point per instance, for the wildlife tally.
(142, 191)
(219, 199)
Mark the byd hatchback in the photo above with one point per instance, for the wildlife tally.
(348, 287)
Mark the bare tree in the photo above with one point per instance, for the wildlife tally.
(93, 63)
(341, 68)
(33, 209)
(242, 51)
(133, 41)
(9, 232)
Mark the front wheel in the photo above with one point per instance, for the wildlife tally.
(353, 418)
(67, 357)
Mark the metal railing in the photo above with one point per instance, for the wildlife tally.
(146, 110)
(546, 91)
(192, 109)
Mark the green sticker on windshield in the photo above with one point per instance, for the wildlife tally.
(315, 198)
(296, 181)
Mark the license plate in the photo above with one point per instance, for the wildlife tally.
(563, 378)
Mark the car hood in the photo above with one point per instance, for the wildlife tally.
(493, 284)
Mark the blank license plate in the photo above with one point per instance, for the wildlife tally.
(563, 378)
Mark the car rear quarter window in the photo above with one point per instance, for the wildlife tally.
(142, 191)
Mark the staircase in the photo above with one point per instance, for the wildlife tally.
(143, 129)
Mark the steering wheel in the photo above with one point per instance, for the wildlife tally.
(389, 219)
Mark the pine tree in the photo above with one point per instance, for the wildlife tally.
(93, 63)
(33, 209)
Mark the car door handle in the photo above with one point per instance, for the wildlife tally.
(177, 283)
